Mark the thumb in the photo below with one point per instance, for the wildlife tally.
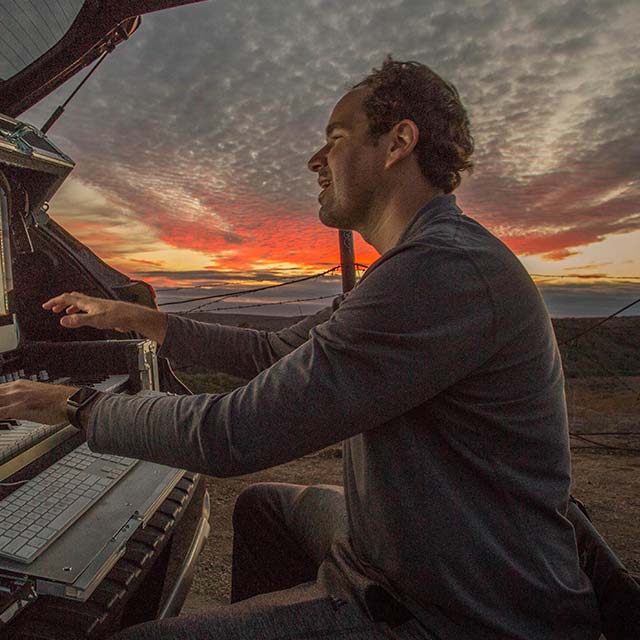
(75, 320)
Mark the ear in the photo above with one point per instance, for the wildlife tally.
(403, 138)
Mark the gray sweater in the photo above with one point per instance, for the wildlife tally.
(441, 375)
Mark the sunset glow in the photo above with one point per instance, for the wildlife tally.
(191, 152)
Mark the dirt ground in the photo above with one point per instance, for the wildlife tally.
(606, 480)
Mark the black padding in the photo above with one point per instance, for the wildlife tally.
(617, 591)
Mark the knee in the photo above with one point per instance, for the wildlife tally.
(263, 502)
(248, 501)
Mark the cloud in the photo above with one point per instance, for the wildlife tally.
(559, 254)
(148, 263)
(296, 298)
(197, 132)
(588, 266)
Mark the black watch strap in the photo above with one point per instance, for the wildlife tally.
(75, 403)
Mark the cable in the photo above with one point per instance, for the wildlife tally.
(358, 265)
(240, 293)
(583, 276)
(605, 433)
(266, 304)
(613, 374)
(12, 484)
(204, 305)
(599, 445)
(202, 286)
(600, 322)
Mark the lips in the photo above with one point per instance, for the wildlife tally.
(324, 182)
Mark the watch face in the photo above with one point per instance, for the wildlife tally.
(82, 395)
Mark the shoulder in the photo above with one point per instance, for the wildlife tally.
(453, 262)
(449, 251)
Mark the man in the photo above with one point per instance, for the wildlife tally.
(439, 372)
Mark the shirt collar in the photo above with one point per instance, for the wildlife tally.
(442, 203)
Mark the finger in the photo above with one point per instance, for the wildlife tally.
(64, 300)
(73, 309)
(56, 301)
(76, 320)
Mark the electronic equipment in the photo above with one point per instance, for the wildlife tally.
(23, 436)
(8, 327)
(43, 508)
(67, 515)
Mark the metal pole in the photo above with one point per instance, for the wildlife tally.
(347, 260)
(60, 110)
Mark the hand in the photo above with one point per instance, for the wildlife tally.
(86, 311)
(82, 310)
(35, 401)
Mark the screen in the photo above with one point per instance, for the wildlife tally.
(8, 328)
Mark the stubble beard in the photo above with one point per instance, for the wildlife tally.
(335, 216)
(329, 217)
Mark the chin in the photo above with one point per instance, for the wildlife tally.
(335, 219)
(328, 218)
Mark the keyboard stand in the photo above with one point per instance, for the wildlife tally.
(73, 566)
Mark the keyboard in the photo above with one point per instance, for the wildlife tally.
(17, 436)
(41, 510)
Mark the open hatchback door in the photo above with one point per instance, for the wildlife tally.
(45, 42)
(130, 555)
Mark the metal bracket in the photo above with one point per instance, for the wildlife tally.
(148, 365)
(17, 138)
(20, 594)
(40, 217)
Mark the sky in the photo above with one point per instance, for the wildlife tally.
(191, 141)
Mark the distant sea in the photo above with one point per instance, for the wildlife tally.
(574, 302)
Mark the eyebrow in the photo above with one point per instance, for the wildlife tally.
(334, 125)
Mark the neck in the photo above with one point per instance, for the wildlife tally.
(387, 225)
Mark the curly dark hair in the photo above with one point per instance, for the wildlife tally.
(410, 90)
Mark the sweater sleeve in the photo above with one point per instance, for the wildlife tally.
(419, 321)
(235, 350)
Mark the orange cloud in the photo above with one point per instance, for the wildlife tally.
(560, 254)
(149, 263)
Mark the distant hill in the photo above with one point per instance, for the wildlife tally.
(611, 349)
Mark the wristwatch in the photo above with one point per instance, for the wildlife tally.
(76, 401)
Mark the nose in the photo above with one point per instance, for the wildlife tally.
(318, 160)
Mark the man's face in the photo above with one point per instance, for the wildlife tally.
(349, 165)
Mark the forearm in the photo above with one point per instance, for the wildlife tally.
(233, 350)
(148, 322)
(238, 351)
(270, 421)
